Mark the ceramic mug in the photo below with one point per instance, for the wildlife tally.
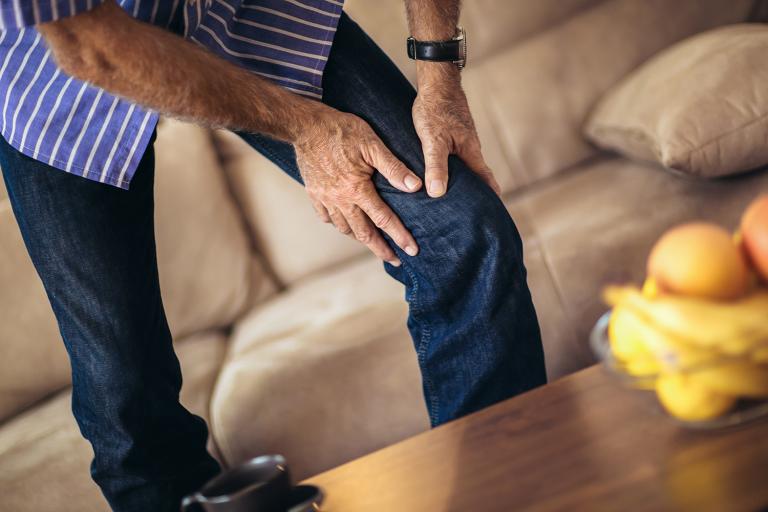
(262, 484)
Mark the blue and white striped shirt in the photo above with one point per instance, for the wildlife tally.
(82, 129)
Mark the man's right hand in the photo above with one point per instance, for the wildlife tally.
(337, 155)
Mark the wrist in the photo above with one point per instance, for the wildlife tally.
(304, 118)
(437, 74)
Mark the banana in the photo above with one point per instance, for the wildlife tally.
(628, 346)
(733, 328)
(627, 337)
(650, 288)
(687, 400)
(645, 349)
(734, 378)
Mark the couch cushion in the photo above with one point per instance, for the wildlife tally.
(561, 348)
(322, 374)
(596, 225)
(531, 100)
(207, 271)
(699, 107)
(29, 336)
(285, 228)
(44, 462)
(201, 356)
(208, 274)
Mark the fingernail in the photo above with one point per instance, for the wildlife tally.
(436, 188)
(394, 263)
(411, 182)
(411, 250)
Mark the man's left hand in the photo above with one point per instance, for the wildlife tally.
(444, 125)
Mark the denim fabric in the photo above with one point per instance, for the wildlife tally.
(471, 316)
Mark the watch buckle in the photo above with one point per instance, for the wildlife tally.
(461, 37)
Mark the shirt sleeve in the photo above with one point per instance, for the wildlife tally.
(17, 14)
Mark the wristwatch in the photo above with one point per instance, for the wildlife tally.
(454, 50)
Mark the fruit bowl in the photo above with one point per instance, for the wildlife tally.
(742, 411)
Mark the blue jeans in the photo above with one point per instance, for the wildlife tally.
(471, 317)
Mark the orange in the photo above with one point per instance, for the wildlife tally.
(754, 235)
(699, 260)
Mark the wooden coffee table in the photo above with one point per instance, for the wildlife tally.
(580, 443)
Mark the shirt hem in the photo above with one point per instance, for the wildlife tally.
(89, 174)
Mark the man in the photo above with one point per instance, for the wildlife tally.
(82, 83)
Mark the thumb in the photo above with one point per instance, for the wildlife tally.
(436, 167)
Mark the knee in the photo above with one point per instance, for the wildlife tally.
(471, 222)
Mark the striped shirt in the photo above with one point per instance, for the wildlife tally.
(82, 129)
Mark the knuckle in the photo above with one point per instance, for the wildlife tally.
(344, 230)
(436, 171)
(334, 199)
(365, 236)
(358, 189)
(387, 164)
(434, 153)
(382, 219)
(357, 122)
(440, 139)
(341, 195)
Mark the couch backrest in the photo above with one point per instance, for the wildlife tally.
(492, 25)
(208, 273)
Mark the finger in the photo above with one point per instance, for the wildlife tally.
(436, 167)
(385, 219)
(398, 175)
(321, 211)
(369, 236)
(488, 177)
(473, 157)
(340, 221)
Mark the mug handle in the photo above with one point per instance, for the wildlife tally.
(191, 503)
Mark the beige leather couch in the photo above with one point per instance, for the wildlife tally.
(292, 338)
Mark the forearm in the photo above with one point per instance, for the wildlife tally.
(163, 72)
(433, 20)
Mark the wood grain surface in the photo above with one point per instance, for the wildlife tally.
(581, 443)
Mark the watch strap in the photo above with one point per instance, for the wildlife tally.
(437, 51)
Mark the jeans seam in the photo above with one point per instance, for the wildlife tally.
(424, 339)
